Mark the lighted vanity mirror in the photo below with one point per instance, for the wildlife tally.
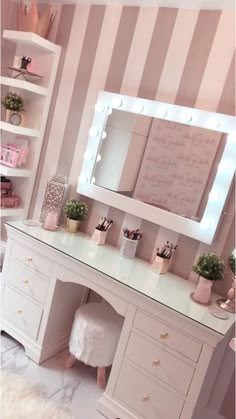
(165, 163)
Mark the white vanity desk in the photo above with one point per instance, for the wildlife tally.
(161, 369)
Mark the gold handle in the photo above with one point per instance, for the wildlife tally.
(145, 397)
(156, 362)
(19, 311)
(164, 335)
(29, 259)
(25, 281)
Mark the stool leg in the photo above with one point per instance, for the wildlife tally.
(70, 361)
(101, 377)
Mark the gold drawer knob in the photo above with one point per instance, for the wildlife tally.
(29, 259)
(19, 311)
(25, 281)
(164, 335)
(145, 397)
(156, 362)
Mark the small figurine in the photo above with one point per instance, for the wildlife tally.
(25, 62)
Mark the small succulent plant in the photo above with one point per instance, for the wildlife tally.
(210, 266)
(76, 210)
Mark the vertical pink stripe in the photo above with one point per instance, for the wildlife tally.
(147, 243)
(62, 39)
(157, 52)
(117, 216)
(184, 256)
(227, 100)
(121, 49)
(84, 71)
(197, 57)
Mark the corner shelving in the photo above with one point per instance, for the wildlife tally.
(37, 95)
(23, 85)
(28, 132)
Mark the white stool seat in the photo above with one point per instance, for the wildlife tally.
(95, 334)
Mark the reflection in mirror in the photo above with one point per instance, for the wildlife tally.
(228, 303)
(165, 164)
(159, 162)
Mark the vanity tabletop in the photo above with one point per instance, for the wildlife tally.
(167, 289)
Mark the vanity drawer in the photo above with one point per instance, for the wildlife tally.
(168, 336)
(32, 259)
(21, 312)
(146, 397)
(27, 281)
(160, 363)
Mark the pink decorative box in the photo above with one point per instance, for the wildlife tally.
(9, 201)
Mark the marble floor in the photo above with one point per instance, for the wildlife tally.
(73, 389)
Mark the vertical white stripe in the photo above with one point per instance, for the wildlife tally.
(218, 63)
(97, 82)
(139, 50)
(177, 54)
(63, 100)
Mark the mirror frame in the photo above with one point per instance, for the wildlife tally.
(204, 230)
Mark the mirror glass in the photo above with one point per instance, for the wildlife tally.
(168, 164)
(162, 163)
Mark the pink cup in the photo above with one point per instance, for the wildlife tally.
(51, 221)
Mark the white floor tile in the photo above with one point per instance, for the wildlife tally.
(73, 389)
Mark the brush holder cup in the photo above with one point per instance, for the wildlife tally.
(128, 248)
(98, 236)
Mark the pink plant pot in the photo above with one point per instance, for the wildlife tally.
(202, 293)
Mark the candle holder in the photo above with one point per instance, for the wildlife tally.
(99, 237)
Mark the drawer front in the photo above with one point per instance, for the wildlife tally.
(149, 399)
(159, 363)
(27, 281)
(168, 336)
(22, 313)
(31, 259)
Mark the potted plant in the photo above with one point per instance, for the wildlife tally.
(163, 257)
(210, 268)
(14, 105)
(75, 212)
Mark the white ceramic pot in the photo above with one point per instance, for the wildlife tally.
(72, 225)
(202, 293)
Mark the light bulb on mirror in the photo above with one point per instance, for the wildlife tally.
(104, 134)
(117, 103)
(83, 179)
(213, 123)
(88, 156)
(187, 116)
(161, 111)
(93, 132)
(99, 157)
(93, 180)
(138, 107)
(99, 107)
(214, 196)
(109, 111)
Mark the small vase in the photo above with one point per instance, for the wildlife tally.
(161, 265)
(72, 225)
(202, 293)
(99, 237)
(51, 221)
(128, 248)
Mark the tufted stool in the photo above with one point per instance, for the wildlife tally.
(94, 337)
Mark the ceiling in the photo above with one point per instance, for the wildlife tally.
(186, 4)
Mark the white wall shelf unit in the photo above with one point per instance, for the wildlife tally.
(9, 171)
(28, 132)
(37, 94)
(23, 85)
